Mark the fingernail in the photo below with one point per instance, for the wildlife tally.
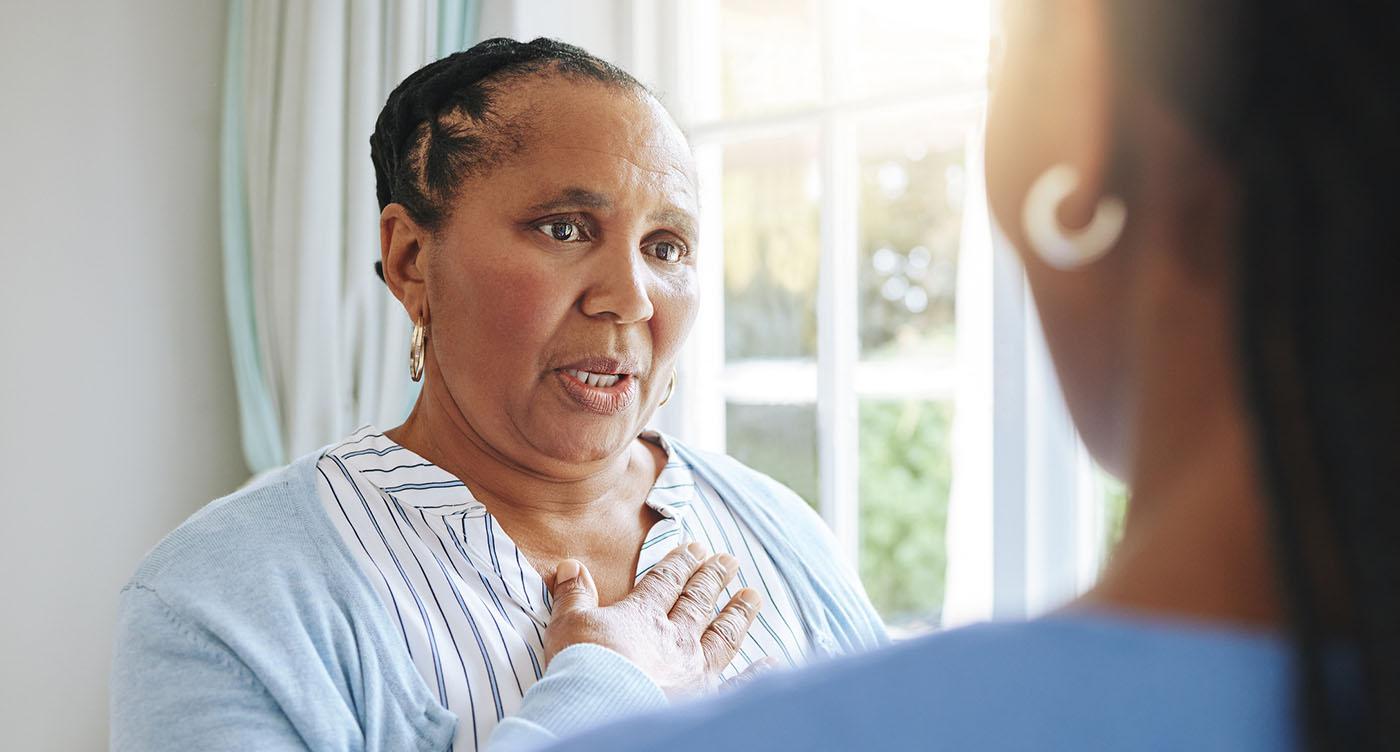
(697, 550)
(750, 597)
(568, 570)
(730, 564)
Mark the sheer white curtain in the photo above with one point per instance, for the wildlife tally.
(1025, 522)
(319, 345)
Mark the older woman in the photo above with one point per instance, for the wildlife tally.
(393, 591)
(1203, 209)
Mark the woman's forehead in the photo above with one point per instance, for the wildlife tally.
(594, 146)
(568, 112)
(559, 179)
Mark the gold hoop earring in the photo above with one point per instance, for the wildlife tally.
(415, 352)
(670, 389)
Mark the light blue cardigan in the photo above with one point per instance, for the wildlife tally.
(252, 627)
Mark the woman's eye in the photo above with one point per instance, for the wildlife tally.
(564, 232)
(668, 251)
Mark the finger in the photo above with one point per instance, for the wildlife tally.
(663, 583)
(696, 605)
(726, 633)
(756, 669)
(573, 588)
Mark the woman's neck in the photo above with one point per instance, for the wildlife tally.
(593, 512)
(563, 494)
(1196, 539)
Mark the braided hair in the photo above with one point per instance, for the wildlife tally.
(1298, 99)
(441, 125)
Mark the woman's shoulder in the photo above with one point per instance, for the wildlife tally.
(254, 598)
(1078, 681)
(267, 530)
(1090, 660)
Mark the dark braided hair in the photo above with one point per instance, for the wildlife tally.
(441, 125)
(1299, 99)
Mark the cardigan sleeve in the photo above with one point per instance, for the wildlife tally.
(584, 685)
(173, 687)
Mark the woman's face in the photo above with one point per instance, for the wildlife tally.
(561, 288)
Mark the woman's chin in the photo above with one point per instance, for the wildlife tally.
(585, 439)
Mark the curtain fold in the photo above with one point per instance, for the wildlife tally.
(319, 345)
(1024, 527)
(968, 588)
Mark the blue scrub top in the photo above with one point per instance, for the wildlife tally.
(1072, 681)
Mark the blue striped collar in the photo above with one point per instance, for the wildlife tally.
(674, 491)
(413, 481)
(404, 476)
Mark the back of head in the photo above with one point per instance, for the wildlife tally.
(1298, 99)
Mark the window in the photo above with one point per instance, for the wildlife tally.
(856, 310)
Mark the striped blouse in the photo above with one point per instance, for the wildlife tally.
(471, 609)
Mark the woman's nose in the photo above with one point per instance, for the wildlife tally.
(618, 286)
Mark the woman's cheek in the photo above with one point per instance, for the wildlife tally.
(516, 305)
(488, 332)
(676, 305)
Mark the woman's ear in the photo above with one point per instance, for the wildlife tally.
(403, 263)
(1088, 97)
(1054, 103)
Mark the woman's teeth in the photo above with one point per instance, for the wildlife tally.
(600, 380)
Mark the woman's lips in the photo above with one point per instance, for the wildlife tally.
(604, 394)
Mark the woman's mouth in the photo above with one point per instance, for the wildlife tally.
(601, 393)
(603, 380)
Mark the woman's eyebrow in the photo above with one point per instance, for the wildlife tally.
(681, 219)
(583, 198)
(573, 198)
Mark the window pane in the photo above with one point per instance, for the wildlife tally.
(905, 476)
(911, 200)
(779, 440)
(772, 249)
(900, 46)
(769, 55)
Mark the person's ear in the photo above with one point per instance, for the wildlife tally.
(402, 260)
(1088, 100)
(1054, 104)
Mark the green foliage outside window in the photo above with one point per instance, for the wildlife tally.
(779, 441)
(905, 476)
(1115, 509)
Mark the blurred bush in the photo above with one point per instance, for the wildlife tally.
(905, 475)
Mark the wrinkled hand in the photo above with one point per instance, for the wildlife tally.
(667, 625)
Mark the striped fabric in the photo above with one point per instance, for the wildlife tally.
(471, 609)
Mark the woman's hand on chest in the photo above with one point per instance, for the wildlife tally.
(667, 625)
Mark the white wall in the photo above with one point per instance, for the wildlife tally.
(115, 388)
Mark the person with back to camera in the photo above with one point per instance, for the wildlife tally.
(392, 591)
(1200, 191)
